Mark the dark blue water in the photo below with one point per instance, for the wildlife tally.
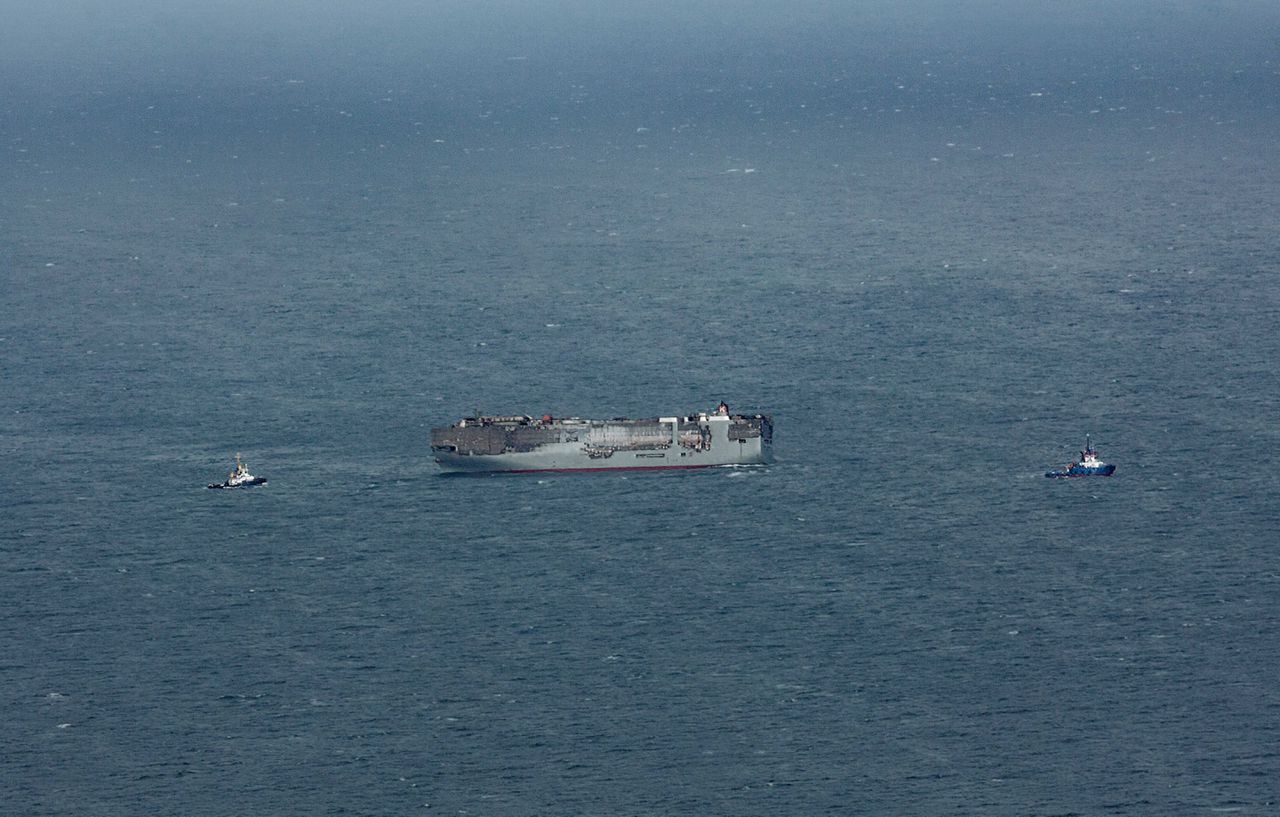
(938, 258)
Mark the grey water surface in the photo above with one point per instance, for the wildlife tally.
(939, 245)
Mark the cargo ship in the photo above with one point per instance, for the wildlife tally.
(522, 444)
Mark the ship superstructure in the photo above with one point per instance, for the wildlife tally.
(520, 443)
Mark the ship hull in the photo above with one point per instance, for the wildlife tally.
(248, 484)
(569, 458)
(600, 446)
(1103, 471)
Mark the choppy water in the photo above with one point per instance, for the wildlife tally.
(937, 270)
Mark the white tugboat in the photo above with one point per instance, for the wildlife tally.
(239, 477)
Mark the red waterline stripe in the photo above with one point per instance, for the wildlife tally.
(599, 470)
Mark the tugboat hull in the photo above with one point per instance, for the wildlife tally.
(1104, 471)
(246, 484)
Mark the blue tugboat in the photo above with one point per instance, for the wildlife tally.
(1087, 466)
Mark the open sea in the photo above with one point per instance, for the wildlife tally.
(938, 246)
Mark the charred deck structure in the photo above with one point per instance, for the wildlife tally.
(514, 444)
